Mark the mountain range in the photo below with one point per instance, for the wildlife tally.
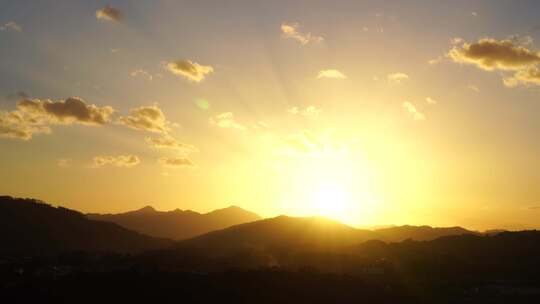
(31, 226)
(177, 224)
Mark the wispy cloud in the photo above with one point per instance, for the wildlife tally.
(190, 70)
(309, 111)
(292, 31)
(431, 101)
(397, 78)
(226, 120)
(474, 88)
(176, 162)
(168, 142)
(413, 111)
(142, 73)
(123, 161)
(63, 162)
(335, 74)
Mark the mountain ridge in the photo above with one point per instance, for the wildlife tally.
(177, 224)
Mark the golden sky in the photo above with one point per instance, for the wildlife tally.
(370, 112)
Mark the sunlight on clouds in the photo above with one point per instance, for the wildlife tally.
(411, 109)
(397, 78)
(490, 54)
(331, 74)
(309, 111)
(146, 118)
(142, 73)
(226, 120)
(190, 70)
(169, 142)
(431, 101)
(34, 116)
(291, 31)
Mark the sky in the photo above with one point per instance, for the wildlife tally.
(369, 112)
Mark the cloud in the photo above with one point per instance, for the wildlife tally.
(146, 118)
(435, 60)
(142, 73)
(523, 77)
(34, 116)
(397, 77)
(416, 115)
(124, 161)
(71, 110)
(11, 26)
(20, 125)
(310, 111)
(176, 162)
(169, 142)
(430, 100)
(331, 74)
(226, 120)
(109, 13)
(190, 70)
(291, 31)
(473, 88)
(491, 54)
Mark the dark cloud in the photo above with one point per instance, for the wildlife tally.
(71, 110)
(34, 116)
(490, 54)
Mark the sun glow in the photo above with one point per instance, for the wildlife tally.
(331, 201)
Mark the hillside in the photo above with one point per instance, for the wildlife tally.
(29, 226)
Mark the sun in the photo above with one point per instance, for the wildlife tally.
(331, 200)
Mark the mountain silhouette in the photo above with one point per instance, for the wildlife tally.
(29, 226)
(276, 233)
(177, 224)
(418, 233)
(308, 232)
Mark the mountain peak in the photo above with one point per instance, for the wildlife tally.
(147, 209)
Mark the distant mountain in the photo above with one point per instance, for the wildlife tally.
(29, 226)
(418, 233)
(177, 224)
